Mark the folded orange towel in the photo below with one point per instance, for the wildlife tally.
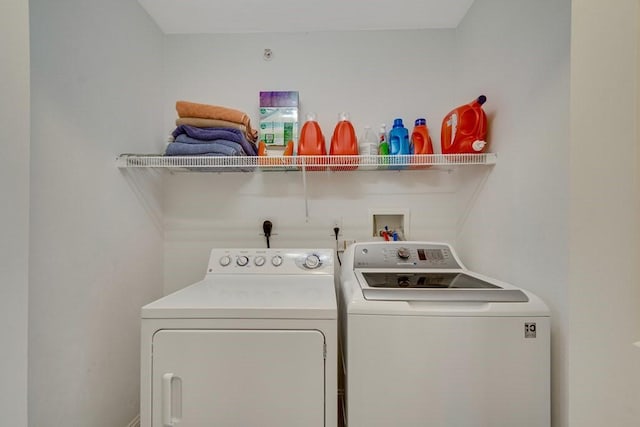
(209, 123)
(205, 111)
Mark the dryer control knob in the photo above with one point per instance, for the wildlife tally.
(404, 253)
(225, 260)
(259, 261)
(312, 261)
(276, 261)
(242, 261)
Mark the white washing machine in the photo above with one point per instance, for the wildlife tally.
(428, 343)
(253, 344)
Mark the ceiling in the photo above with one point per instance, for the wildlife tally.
(255, 16)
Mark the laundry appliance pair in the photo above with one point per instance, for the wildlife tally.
(424, 342)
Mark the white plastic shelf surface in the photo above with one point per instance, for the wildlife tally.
(306, 163)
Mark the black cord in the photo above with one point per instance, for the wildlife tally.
(336, 231)
(266, 227)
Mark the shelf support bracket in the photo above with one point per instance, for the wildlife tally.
(304, 190)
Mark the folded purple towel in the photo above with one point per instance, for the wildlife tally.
(211, 134)
(184, 139)
(208, 134)
(228, 148)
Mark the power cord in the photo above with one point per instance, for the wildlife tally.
(266, 227)
(336, 231)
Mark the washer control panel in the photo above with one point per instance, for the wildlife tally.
(271, 261)
(404, 255)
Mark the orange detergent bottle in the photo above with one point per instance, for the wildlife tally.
(464, 130)
(312, 143)
(344, 143)
(420, 142)
(285, 159)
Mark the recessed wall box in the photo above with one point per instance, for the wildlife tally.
(394, 219)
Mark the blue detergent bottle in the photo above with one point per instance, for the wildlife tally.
(399, 145)
(399, 139)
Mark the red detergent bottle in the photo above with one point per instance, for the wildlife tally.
(464, 130)
(420, 142)
(344, 143)
(312, 143)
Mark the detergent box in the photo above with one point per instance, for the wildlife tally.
(278, 117)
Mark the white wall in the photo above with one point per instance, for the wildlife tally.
(96, 235)
(374, 75)
(14, 209)
(380, 75)
(604, 246)
(517, 52)
(507, 226)
(96, 248)
(518, 218)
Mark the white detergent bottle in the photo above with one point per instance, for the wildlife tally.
(368, 146)
(368, 143)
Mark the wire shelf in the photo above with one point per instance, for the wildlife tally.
(305, 163)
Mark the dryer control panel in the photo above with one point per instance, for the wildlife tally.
(271, 261)
(405, 255)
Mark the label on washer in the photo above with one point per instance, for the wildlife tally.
(530, 329)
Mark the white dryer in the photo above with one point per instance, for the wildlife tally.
(428, 343)
(253, 344)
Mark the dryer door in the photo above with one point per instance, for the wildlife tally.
(266, 378)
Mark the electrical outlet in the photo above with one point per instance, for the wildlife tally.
(336, 223)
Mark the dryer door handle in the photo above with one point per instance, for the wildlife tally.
(171, 397)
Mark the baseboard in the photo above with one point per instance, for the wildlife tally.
(135, 422)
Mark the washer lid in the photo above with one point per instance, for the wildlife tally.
(257, 297)
(434, 286)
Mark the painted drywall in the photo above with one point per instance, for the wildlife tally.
(69, 281)
(96, 242)
(230, 16)
(375, 76)
(604, 368)
(14, 210)
(517, 229)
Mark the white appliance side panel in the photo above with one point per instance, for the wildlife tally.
(267, 378)
(447, 371)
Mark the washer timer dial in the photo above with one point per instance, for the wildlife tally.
(404, 253)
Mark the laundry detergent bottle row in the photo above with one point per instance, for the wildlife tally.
(312, 142)
(344, 143)
(464, 130)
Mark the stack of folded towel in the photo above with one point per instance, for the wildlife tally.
(209, 130)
